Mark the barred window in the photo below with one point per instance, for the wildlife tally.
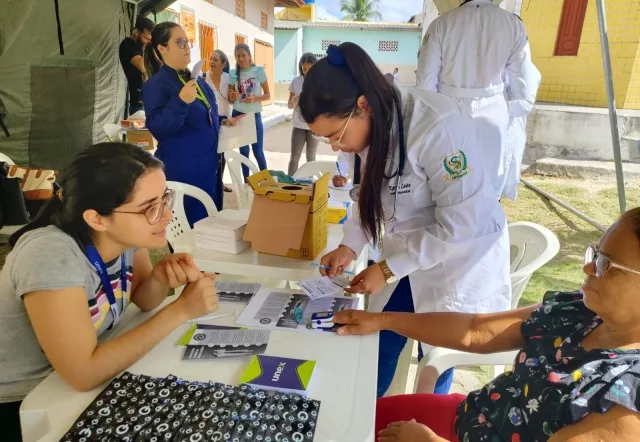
(319, 56)
(388, 46)
(327, 43)
(264, 20)
(240, 8)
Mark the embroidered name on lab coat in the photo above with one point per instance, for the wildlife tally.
(404, 188)
(456, 166)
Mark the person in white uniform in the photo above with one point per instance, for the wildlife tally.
(445, 245)
(517, 134)
(218, 79)
(469, 53)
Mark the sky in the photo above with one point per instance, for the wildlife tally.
(391, 10)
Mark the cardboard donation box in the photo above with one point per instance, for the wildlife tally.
(286, 219)
(141, 138)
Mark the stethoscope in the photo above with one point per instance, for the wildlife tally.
(354, 193)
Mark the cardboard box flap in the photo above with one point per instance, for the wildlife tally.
(261, 178)
(320, 192)
(275, 226)
(263, 183)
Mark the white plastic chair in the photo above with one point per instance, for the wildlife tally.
(532, 246)
(316, 169)
(114, 132)
(6, 159)
(243, 193)
(181, 237)
(179, 233)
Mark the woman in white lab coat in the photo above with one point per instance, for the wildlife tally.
(446, 246)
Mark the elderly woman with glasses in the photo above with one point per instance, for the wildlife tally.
(576, 377)
(182, 114)
(75, 269)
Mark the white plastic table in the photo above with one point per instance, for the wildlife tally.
(260, 265)
(344, 380)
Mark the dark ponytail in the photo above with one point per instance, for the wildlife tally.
(332, 88)
(307, 57)
(160, 35)
(101, 178)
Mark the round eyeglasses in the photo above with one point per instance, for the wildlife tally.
(155, 211)
(603, 263)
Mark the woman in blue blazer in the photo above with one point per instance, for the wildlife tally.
(182, 114)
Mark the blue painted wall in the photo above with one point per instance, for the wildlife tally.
(408, 43)
(285, 55)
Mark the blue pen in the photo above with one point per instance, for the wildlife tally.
(338, 167)
(346, 272)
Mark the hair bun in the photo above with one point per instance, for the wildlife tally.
(335, 56)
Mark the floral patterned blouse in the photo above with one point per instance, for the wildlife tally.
(554, 382)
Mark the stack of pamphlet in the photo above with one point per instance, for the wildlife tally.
(222, 232)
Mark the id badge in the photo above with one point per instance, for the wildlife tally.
(210, 117)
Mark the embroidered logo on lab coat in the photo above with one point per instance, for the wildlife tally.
(456, 166)
(425, 39)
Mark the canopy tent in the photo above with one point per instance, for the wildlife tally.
(60, 76)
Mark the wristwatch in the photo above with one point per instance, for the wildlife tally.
(389, 277)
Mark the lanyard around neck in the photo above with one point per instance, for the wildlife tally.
(199, 94)
(101, 268)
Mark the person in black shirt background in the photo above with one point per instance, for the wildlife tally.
(132, 62)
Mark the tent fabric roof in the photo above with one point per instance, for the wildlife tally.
(326, 24)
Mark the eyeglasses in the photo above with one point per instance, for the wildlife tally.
(154, 212)
(338, 143)
(184, 43)
(592, 254)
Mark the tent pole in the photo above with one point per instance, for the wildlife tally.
(613, 116)
(561, 203)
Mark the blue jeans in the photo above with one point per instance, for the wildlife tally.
(391, 344)
(257, 147)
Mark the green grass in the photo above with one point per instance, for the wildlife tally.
(598, 200)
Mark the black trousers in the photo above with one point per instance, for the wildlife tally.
(10, 422)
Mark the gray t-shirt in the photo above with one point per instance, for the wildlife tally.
(46, 259)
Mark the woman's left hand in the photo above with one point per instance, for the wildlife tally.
(176, 270)
(229, 122)
(251, 99)
(368, 282)
(411, 431)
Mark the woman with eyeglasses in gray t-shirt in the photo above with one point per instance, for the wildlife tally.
(76, 267)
